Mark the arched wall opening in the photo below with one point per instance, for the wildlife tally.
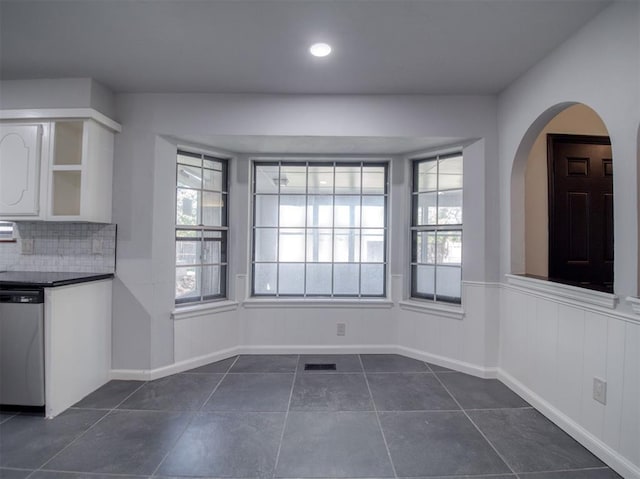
(529, 183)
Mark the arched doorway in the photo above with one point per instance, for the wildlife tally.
(566, 234)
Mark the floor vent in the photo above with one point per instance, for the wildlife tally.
(320, 367)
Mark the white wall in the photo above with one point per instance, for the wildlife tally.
(550, 353)
(575, 120)
(551, 349)
(144, 173)
(598, 66)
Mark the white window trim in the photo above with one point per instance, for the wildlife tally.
(320, 303)
(439, 308)
(189, 311)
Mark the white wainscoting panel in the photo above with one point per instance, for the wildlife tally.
(551, 351)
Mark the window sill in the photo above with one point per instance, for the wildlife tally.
(197, 310)
(571, 294)
(446, 310)
(316, 303)
(635, 304)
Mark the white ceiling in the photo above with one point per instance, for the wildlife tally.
(260, 46)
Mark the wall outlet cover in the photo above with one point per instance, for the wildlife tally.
(96, 246)
(600, 390)
(341, 329)
(27, 245)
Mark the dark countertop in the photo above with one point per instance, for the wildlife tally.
(43, 279)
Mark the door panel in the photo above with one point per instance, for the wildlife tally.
(581, 210)
(578, 213)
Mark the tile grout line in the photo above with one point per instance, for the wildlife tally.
(286, 416)
(478, 429)
(375, 409)
(107, 413)
(193, 415)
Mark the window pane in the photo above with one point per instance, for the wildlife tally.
(293, 179)
(449, 247)
(346, 246)
(373, 211)
(266, 244)
(450, 173)
(319, 279)
(187, 282)
(372, 246)
(347, 211)
(212, 280)
(212, 180)
(267, 178)
(212, 206)
(319, 245)
(372, 279)
(427, 179)
(424, 207)
(193, 159)
(448, 280)
(188, 251)
(292, 211)
(214, 250)
(346, 278)
(291, 279)
(266, 210)
(348, 180)
(320, 211)
(424, 247)
(189, 176)
(320, 179)
(291, 245)
(450, 207)
(213, 163)
(187, 207)
(424, 279)
(373, 181)
(265, 278)
(320, 214)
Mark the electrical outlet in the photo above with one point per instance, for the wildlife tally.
(27, 245)
(600, 390)
(341, 329)
(96, 246)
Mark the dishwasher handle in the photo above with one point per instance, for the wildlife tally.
(22, 296)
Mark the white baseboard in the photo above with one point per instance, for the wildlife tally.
(321, 349)
(613, 459)
(151, 374)
(456, 365)
(179, 367)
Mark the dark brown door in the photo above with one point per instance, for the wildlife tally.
(581, 210)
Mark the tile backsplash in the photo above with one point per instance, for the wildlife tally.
(46, 246)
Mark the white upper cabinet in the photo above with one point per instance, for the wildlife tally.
(57, 169)
(20, 155)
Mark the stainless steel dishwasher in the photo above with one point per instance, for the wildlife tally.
(21, 347)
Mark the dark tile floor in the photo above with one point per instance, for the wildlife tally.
(376, 416)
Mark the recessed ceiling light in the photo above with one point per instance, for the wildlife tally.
(320, 49)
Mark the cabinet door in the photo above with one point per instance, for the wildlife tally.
(20, 169)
